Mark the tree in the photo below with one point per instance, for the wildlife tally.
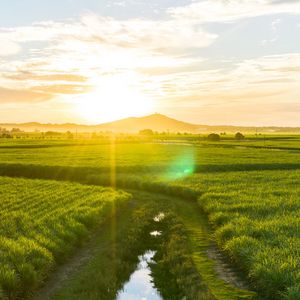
(69, 135)
(214, 137)
(16, 130)
(146, 132)
(6, 136)
(239, 136)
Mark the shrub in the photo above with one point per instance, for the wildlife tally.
(239, 136)
(293, 293)
(214, 137)
(146, 132)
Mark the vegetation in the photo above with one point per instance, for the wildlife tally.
(190, 273)
(214, 137)
(173, 261)
(146, 132)
(248, 190)
(257, 225)
(120, 251)
(239, 136)
(41, 223)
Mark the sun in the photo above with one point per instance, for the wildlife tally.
(112, 100)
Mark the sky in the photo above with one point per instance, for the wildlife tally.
(216, 62)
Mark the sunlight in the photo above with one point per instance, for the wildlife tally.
(113, 99)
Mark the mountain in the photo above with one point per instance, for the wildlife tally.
(156, 122)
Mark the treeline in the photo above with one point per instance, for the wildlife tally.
(4, 133)
(215, 137)
(17, 133)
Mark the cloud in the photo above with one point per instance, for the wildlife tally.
(158, 57)
(275, 35)
(27, 75)
(8, 47)
(119, 3)
(267, 79)
(147, 34)
(41, 32)
(62, 89)
(94, 47)
(284, 1)
(103, 43)
(131, 33)
(22, 96)
(232, 10)
(272, 66)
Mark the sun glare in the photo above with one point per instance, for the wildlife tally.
(113, 100)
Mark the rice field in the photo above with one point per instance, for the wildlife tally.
(248, 190)
(256, 221)
(146, 157)
(42, 222)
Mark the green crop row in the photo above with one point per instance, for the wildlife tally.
(41, 223)
(251, 195)
(143, 158)
(256, 221)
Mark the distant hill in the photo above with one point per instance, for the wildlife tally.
(156, 122)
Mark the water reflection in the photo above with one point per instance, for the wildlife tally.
(159, 217)
(140, 286)
(155, 233)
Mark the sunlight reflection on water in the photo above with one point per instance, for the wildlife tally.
(159, 217)
(140, 286)
(155, 233)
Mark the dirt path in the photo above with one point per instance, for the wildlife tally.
(64, 272)
(224, 270)
(223, 283)
(221, 280)
(98, 241)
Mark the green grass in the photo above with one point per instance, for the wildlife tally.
(41, 223)
(268, 142)
(256, 220)
(124, 239)
(182, 267)
(249, 191)
(149, 157)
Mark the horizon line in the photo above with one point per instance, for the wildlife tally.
(141, 117)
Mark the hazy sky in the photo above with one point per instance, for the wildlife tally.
(207, 62)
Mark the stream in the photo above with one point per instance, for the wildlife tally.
(145, 265)
(140, 286)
